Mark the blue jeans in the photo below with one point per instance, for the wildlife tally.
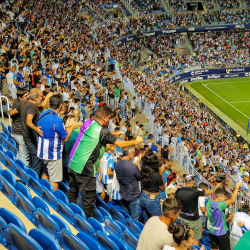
(35, 163)
(22, 152)
(132, 208)
(150, 206)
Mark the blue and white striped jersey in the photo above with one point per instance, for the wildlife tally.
(9, 78)
(50, 146)
(107, 161)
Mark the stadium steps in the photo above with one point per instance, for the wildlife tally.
(215, 4)
(33, 194)
(165, 5)
(200, 16)
(188, 43)
(129, 9)
(242, 4)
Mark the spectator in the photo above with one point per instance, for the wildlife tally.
(189, 198)
(219, 234)
(170, 192)
(85, 156)
(202, 206)
(128, 133)
(50, 144)
(139, 131)
(133, 105)
(152, 182)
(159, 237)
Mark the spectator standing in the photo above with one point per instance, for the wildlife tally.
(202, 206)
(133, 105)
(219, 234)
(50, 145)
(189, 198)
(128, 176)
(155, 234)
(139, 131)
(85, 156)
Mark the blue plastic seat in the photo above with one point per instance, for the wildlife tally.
(83, 226)
(17, 237)
(22, 175)
(77, 210)
(32, 173)
(44, 240)
(7, 189)
(130, 240)
(113, 228)
(106, 242)
(2, 156)
(46, 184)
(133, 228)
(9, 217)
(104, 212)
(10, 129)
(139, 224)
(66, 212)
(34, 184)
(91, 243)
(39, 203)
(60, 222)
(9, 177)
(96, 225)
(26, 207)
(65, 182)
(101, 203)
(1, 169)
(12, 146)
(123, 227)
(125, 215)
(23, 189)
(47, 224)
(49, 197)
(10, 164)
(98, 215)
(118, 242)
(21, 165)
(61, 196)
(5, 130)
(1, 149)
(70, 241)
(4, 232)
(117, 216)
(63, 187)
(11, 155)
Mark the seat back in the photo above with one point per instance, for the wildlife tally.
(77, 210)
(106, 242)
(24, 190)
(9, 217)
(5, 130)
(1, 149)
(47, 224)
(46, 184)
(61, 196)
(98, 215)
(32, 173)
(140, 225)
(1, 169)
(4, 232)
(60, 222)
(49, 197)
(2, 155)
(96, 224)
(113, 228)
(101, 203)
(66, 212)
(39, 203)
(10, 154)
(10, 164)
(34, 185)
(104, 212)
(9, 177)
(12, 146)
(117, 216)
(130, 240)
(118, 242)
(63, 187)
(44, 240)
(91, 243)
(26, 207)
(70, 241)
(22, 175)
(4, 140)
(133, 228)
(8, 189)
(18, 236)
(83, 226)
(21, 165)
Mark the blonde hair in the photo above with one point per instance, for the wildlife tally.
(170, 191)
(108, 147)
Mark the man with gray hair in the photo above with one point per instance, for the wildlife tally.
(128, 175)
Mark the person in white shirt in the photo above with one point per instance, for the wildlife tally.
(66, 94)
(123, 127)
(112, 125)
(11, 79)
(202, 206)
(136, 126)
(133, 104)
(236, 232)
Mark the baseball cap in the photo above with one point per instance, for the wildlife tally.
(150, 137)
(190, 177)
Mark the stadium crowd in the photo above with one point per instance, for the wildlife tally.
(58, 80)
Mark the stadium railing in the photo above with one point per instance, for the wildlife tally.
(4, 98)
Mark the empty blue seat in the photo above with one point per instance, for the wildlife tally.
(77, 210)
(9, 177)
(4, 232)
(10, 129)
(118, 242)
(130, 240)
(7, 189)
(61, 196)
(117, 216)
(96, 224)
(21, 165)
(123, 227)
(106, 242)
(132, 227)
(101, 203)
(49, 197)
(10, 155)
(23, 189)
(1, 148)
(91, 243)
(70, 241)
(5, 130)
(32, 173)
(66, 182)
(104, 212)
(1, 169)
(9, 217)
(20, 240)
(10, 164)
(44, 240)
(98, 215)
(34, 184)
(83, 226)
(12, 146)
(125, 215)
(46, 184)
(63, 187)
(2, 156)
(113, 228)
(22, 175)
(26, 207)
(60, 222)
(139, 224)
(39, 203)
(47, 224)
(66, 212)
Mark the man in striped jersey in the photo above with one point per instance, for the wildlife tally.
(50, 145)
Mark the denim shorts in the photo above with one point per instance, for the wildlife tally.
(203, 221)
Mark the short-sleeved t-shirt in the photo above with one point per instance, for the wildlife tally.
(156, 182)
(28, 108)
(16, 119)
(88, 148)
(217, 217)
(189, 199)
